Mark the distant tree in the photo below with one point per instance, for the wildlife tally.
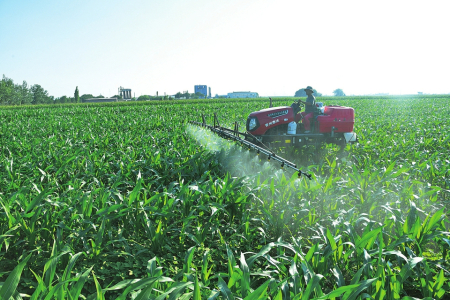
(198, 95)
(77, 96)
(23, 93)
(301, 93)
(338, 93)
(40, 96)
(186, 95)
(86, 96)
(143, 98)
(63, 99)
(118, 97)
(178, 95)
(7, 93)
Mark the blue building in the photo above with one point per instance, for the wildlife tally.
(201, 89)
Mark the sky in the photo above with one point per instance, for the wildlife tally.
(272, 47)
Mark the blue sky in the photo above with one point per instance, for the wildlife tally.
(269, 47)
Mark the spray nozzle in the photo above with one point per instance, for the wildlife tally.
(282, 165)
(268, 158)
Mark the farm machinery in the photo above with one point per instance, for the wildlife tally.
(286, 126)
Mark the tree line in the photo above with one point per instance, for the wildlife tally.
(16, 94)
(148, 97)
(22, 94)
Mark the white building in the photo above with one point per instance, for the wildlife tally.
(242, 95)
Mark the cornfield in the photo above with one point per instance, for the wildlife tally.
(128, 201)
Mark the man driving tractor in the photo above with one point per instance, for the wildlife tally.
(310, 108)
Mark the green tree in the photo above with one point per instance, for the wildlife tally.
(338, 93)
(143, 98)
(7, 92)
(301, 93)
(23, 93)
(118, 97)
(77, 95)
(63, 99)
(86, 96)
(186, 95)
(40, 96)
(198, 95)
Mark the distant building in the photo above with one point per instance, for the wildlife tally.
(98, 100)
(242, 95)
(201, 89)
(125, 93)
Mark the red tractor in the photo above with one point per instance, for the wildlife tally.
(282, 125)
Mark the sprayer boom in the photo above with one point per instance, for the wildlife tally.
(244, 139)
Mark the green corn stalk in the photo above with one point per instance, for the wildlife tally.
(9, 287)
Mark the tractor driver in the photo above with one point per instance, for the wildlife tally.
(310, 107)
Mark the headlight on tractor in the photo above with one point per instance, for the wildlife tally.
(252, 124)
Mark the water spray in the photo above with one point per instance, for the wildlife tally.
(235, 135)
